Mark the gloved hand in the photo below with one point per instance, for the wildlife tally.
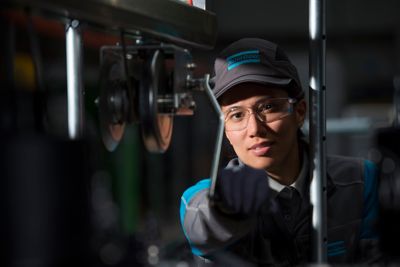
(241, 190)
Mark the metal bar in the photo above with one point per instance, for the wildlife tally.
(317, 17)
(9, 53)
(74, 80)
(220, 135)
(166, 20)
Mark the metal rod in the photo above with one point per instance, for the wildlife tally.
(74, 80)
(220, 135)
(317, 17)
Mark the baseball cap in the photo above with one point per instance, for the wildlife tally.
(258, 61)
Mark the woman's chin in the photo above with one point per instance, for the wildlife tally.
(260, 163)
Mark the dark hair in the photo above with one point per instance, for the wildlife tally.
(292, 90)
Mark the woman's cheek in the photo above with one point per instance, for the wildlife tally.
(235, 139)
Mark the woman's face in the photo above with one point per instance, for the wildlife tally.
(271, 146)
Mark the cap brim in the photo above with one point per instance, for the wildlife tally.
(262, 79)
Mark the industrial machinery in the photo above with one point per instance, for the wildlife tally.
(146, 79)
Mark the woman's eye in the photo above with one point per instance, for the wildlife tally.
(266, 107)
(236, 115)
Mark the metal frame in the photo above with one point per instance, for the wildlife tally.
(317, 88)
(166, 20)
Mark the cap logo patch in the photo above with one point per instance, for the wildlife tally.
(245, 57)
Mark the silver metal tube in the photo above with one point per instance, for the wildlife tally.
(74, 80)
(317, 17)
(220, 135)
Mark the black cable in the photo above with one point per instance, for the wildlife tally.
(35, 52)
(9, 55)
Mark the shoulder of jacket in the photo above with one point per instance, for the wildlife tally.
(345, 170)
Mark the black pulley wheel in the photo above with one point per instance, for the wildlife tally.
(156, 127)
(113, 102)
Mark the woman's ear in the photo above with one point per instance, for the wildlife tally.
(300, 112)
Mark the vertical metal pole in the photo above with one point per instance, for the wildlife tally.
(317, 17)
(74, 80)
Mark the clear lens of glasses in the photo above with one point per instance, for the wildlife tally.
(268, 110)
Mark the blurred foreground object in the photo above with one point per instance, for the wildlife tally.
(45, 201)
(388, 157)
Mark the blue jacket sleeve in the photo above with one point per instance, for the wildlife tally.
(371, 202)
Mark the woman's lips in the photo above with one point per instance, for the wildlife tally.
(261, 149)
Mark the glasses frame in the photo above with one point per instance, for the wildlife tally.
(253, 110)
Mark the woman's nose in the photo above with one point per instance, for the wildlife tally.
(255, 126)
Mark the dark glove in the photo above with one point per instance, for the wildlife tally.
(241, 190)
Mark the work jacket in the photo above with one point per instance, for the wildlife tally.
(266, 240)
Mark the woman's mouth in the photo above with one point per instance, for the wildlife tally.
(261, 149)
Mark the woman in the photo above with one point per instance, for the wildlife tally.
(262, 212)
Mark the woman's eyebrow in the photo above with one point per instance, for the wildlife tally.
(237, 106)
(233, 108)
